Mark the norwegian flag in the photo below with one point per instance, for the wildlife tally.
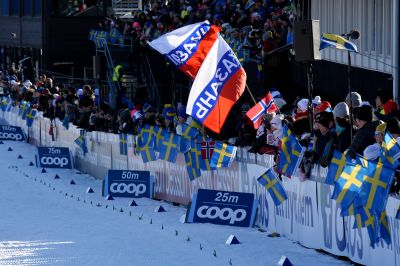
(266, 105)
(207, 149)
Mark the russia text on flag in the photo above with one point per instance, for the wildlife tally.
(187, 47)
(218, 85)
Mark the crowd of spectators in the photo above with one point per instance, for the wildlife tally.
(352, 127)
(260, 26)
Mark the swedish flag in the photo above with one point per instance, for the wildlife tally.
(191, 166)
(190, 130)
(223, 155)
(348, 185)
(3, 104)
(169, 147)
(337, 41)
(114, 36)
(81, 142)
(246, 55)
(336, 167)
(371, 222)
(65, 122)
(146, 137)
(290, 154)
(101, 39)
(240, 55)
(184, 144)
(271, 183)
(92, 35)
(30, 117)
(147, 154)
(375, 188)
(123, 143)
(391, 151)
(159, 133)
(23, 109)
(384, 228)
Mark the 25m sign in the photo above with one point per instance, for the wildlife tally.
(54, 157)
(223, 207)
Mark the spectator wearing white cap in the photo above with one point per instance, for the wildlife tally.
(302, 109)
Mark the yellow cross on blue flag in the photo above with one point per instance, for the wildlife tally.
(375, 188)
(336, 167)
(291, 153)
(190, 129)
(223, 155)
(147, 154)
(192, 169)
(271, 183)
(146, 137)
(30, 117)
(348, 185)
(123, 143)
(81, 142)
(169, 147)
(391, 151)
(3, 104)
(371, 222)
(384, 228)
(338, 42)
(159, 133)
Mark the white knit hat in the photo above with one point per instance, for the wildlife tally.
(303, 104)
(316, 100)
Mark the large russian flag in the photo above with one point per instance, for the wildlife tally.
(218, 85)
(187, 47)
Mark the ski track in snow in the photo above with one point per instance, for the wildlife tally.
(47, 221)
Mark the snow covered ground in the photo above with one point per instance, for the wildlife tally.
(47, 221)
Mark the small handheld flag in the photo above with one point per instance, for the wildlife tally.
(266, 105)
(271, 183)
(223, 155)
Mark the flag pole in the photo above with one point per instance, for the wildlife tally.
(251, 94)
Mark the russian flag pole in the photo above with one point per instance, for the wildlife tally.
(251, 94)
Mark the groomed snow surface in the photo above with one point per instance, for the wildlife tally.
(47, 221)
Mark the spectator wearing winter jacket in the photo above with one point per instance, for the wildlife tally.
(366, 131)
(325, 136)
(342, 126)
(386, 107)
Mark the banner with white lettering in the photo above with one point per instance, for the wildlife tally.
(54, 157)
(11, 133)
(296, 218)
(223, 207)
(128, 184)
(332, 225)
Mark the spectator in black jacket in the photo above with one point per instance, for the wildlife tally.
(325, 138)
(343, 127)
(366, 131)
